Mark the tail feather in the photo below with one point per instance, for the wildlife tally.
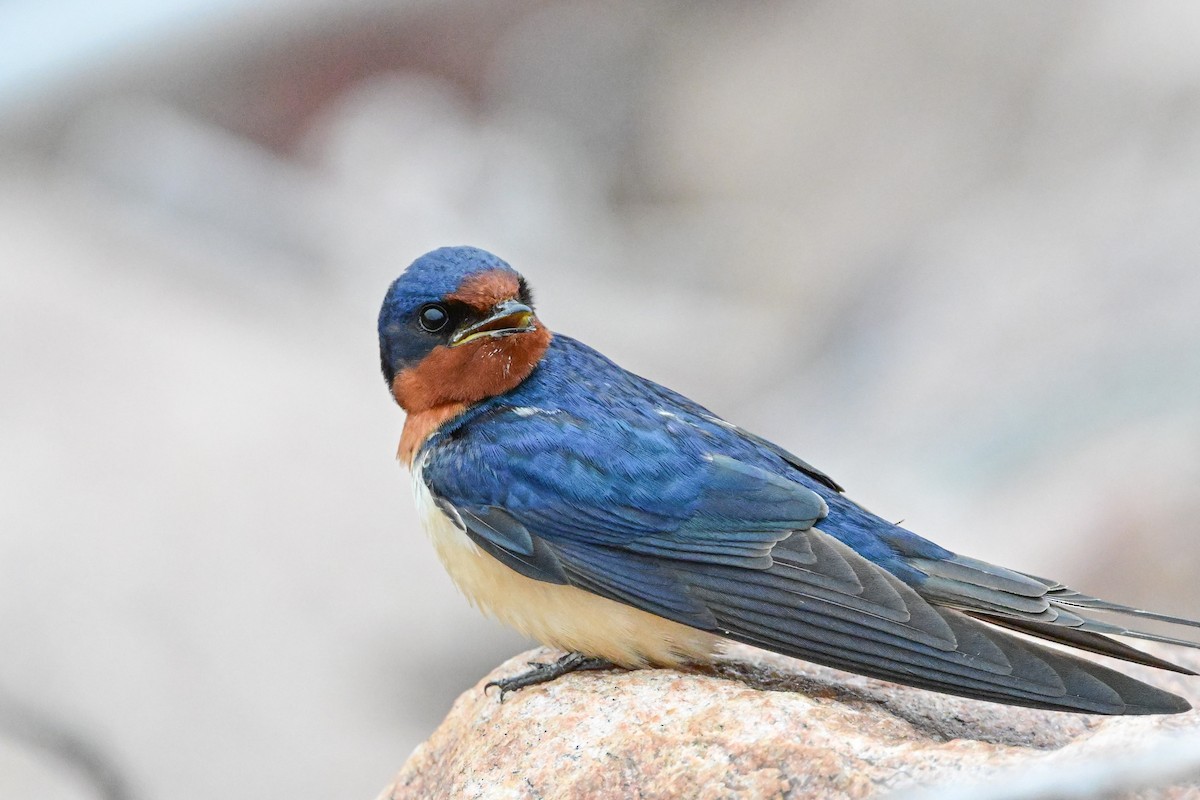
(1076, 600)
(1044, 608)
(1091, 641)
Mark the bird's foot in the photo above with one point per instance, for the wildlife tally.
(542, 672)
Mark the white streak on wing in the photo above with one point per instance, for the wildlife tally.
(531, 411)
(721, 422)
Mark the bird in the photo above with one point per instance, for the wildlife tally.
(626, 525)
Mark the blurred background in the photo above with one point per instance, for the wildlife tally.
(948, 253)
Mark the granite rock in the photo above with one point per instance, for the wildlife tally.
(762, 726)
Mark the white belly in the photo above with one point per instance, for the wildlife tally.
(563, 617)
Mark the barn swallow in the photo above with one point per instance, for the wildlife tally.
(610, 517)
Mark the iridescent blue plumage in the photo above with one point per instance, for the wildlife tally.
(582, 437)
(582, 475)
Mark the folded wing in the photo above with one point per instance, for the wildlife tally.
(737, 554)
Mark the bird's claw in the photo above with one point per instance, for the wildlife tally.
(542, 672)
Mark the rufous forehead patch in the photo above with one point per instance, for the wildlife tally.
(487, 289)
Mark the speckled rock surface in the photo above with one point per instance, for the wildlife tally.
(763, 726)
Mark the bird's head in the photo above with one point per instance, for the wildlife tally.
(457, 327)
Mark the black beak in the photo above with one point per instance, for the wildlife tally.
(508, 318)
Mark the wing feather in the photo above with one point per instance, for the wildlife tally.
(728, 546)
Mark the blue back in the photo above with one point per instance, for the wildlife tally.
(597, 451)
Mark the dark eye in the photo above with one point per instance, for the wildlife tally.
(433, 317)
